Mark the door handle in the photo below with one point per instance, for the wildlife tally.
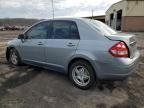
(70, 45)
(40, 43)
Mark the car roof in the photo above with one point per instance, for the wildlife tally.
(67, 19)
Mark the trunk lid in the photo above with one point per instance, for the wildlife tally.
(129, 39)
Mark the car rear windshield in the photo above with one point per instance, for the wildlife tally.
(101, 27)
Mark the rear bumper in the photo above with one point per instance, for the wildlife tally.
(116, 70)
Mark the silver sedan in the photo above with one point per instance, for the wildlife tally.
(85, 49)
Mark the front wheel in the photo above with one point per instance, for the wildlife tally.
(14, 57)
(82, 74)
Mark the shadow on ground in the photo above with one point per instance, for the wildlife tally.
(12, 76)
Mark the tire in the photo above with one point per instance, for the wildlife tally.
(14, 57)
(84, 78)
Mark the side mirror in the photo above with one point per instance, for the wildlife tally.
(21, 36)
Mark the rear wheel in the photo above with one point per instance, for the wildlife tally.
(14, 57)
(82, 74)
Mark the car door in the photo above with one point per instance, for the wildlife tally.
(62, 43)
(33, 47)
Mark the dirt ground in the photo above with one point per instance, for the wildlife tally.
(32, 87)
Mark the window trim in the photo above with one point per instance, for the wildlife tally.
(64, 21)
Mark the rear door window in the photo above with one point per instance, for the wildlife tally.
(65, 30)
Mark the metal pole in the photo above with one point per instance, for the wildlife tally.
(92, 13)
(53, 9)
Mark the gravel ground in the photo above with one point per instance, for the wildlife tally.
(32, 87)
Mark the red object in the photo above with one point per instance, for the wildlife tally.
(119, 50)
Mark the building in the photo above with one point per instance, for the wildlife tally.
(100, 18)
(126, 15)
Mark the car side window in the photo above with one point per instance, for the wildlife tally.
(39, 31)
(65, 30)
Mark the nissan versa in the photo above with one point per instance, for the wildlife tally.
(85, 49)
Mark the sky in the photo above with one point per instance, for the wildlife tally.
(42, 9)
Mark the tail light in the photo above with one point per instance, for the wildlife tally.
(119, 50)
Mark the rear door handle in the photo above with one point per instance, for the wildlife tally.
(70, 45)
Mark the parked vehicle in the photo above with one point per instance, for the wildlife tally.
(85, 49)
(8, 27)
(2, 28)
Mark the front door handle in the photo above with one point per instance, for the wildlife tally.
(40, 43)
